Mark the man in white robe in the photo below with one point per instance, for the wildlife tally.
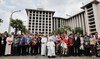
(51, 48)
(43, 45)
(9, 41)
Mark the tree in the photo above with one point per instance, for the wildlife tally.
(16, 24)
(1, 20)
(66, 29)
(77, 30)
(63, 29)
(23, 29)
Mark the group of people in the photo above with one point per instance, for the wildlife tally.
(48, 45)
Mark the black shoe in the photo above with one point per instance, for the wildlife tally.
(49, 57)
(53, 56)
(43, 55)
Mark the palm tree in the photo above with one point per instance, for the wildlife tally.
(16, 24)
(63, 29)
(78, 30)
(23, 29)
(66, 29)
(1, 20)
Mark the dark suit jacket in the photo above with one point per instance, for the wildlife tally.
(77, 42)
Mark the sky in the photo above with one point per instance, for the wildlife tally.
(61, 8)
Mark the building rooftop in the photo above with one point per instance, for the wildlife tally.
(59, 17)
(40, 9)
(75, 15)
(94, 1)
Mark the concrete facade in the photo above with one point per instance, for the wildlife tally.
(40, 21)
(88, 19)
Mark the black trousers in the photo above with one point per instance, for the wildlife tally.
(28, 49)
(39, 49)
(34, 49)
(87, 51)
(15, 51)
(93, 50)
(71, 51)
(19, 50)
(76, 50)
(2, 50)
(24, 50)
(81, 52)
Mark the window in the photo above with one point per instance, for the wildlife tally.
(29, 23)
(43, 12)
(39, 23)
(43, 15)
(33, 17)
(33, 20)
(33, 26)
(36, 23)
(33, 29)
(33, 14)
(30, 14)
(46, 32)
(43, 18)
(39, 29)
(33, 11)
(29, 17)
(46, 21)
(30, 11)
(29, 20)
(29, 28)
(46, 18)
(49, 29)
(36, 17)
(42, 29)
(46, 26)
(46, 15)
(43, 26)
(46, 29)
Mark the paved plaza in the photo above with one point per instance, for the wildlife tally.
(44, 57)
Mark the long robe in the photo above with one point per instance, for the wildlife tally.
(51, 48)
(9, 41)
(43, 45)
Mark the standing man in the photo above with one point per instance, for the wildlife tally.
(87, 45)
(39, 44)
(28, 43)
(71, 45)
(15, 46)
(1, 46)
(76, 44)
(3, 43)
(43, 45)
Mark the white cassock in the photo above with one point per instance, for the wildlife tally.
(9, 41)
(51, 48)
(43, 45)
